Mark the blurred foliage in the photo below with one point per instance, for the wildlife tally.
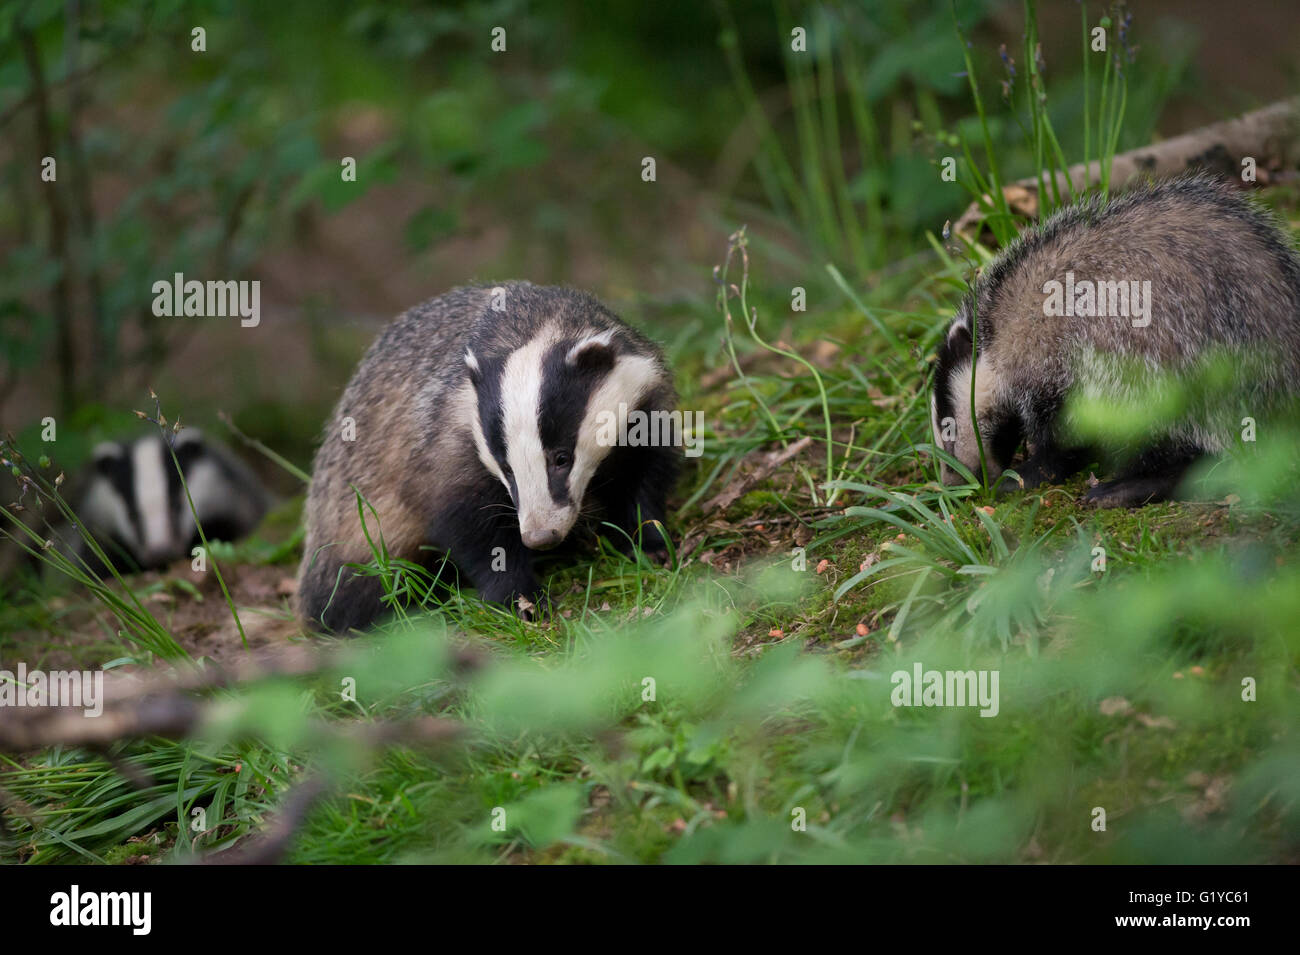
(200, 180)
(172, 161)
(659, 726)
(207, 162)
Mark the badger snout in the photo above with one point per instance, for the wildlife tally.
(543, 539)
(949, 476)
(542, 528)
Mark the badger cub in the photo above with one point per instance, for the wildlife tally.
(474, 428)
(1159, 280)
(135, 508)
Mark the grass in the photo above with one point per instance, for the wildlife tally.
(1120, 687)
(735, 705)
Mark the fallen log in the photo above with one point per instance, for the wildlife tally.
(1270, 136)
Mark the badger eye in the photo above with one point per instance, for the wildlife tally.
(561, 459)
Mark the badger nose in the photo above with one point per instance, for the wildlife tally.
(541, 540)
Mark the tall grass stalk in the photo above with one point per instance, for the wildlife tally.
(140, 626)
(169, 440)
(739, 243)
(814, 188)
(995, 195)
(1110, 108)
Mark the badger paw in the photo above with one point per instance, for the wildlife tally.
(1130, 492)
(1006, 485)
(1048, 465)
(528, 611)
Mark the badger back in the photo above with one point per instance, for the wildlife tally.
(1103, 293)
(1164, 273)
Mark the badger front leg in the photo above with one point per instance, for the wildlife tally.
(479, 534)
(636, 518)
(635, 496)
(1154, 475)
(1050, 463)
(500, 567)
(336, 596)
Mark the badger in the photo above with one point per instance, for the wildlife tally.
(1204, 272)
(134, 506)
(477, 430)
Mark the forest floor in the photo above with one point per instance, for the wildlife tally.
(1147, 707)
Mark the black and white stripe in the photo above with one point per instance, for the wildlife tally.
(537, 418)
(136, 507)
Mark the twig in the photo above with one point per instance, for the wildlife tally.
(1268, 134)
(20, 104)
(741, 487)
(269, 846)
(258, 446)
(164, 703)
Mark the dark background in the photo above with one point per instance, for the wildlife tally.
(476, 165)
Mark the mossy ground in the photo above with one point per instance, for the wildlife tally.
(1122, 683)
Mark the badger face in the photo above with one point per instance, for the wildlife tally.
(950, 407)
(135, 499)
(541, 410)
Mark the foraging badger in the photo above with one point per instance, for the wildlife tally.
(1207, 274)
(134, 506)
(473, 427)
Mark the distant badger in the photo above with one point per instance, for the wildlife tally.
(472, 426)
(134, 506)
(1223, 279)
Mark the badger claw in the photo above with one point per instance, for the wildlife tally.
(1131, 492)
(530, 612)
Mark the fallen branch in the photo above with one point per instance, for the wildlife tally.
(1271, 136)
(165, 704)
(741, 487)
(170, 705)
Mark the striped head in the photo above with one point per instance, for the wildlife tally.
(950, 408)
(541, 412)
(135, 502)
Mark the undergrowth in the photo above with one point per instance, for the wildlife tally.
(741, 703)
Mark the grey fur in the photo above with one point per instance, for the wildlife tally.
(1225, 279)
(414, 457)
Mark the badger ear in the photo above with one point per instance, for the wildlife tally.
(189, 447)
(188, 435)
(959, 336)
(105, 455)
(955, 348)
(471, 365)
(593, 353)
